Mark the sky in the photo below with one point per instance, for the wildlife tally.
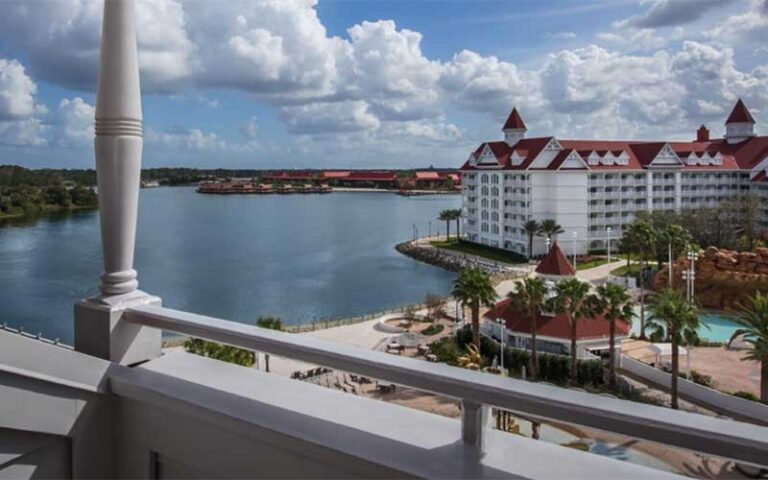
(378, 83)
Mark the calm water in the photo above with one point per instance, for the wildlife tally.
(236, 257)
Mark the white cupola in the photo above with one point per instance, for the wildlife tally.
(514, 128)
(740, 125)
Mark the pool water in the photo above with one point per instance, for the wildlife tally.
(714, 327)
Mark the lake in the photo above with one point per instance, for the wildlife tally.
(299, 257)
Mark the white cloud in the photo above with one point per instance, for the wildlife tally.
(75, 122)
(376, 88)
(22, 133)
(183, 141)
(17, 92)
(348, 116)
(750, 27)
(61, 40)
(20, 124)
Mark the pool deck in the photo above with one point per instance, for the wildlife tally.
(724, 366)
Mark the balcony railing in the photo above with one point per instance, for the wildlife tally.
(723, 438)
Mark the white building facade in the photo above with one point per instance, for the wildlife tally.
(594, 188)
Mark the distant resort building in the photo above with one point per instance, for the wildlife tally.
(322, 181)
(587, 186)
(553, 332)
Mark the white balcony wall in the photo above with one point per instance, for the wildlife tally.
(564, 197)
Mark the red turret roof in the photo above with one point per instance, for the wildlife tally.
(555, 263)
(740, 114)
(515, 121)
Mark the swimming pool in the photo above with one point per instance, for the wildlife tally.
(721, 327)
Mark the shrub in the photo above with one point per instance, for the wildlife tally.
(552, 368)
(699, 378)
(433, 329)
(217, 351)
(446, 350)
(746, 396)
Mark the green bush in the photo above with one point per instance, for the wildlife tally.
(221, 352)
(746, 396)
(552, 368)
(433, 329)
(446, 350)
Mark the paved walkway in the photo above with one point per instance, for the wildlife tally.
(601, 272)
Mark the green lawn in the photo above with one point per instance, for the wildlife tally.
(623, 271)
(593, 263)
(494, 254)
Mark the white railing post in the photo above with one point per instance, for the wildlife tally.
(473, 419)
(99, 330)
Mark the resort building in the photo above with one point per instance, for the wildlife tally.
(594, 188)
(553, 331)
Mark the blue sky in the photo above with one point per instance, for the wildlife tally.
(379, 83)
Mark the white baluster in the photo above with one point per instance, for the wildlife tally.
(118, 148)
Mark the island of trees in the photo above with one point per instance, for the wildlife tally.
(25, 192)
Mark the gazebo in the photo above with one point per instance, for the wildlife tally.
(555, 265)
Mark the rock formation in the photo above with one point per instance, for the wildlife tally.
(723, 277)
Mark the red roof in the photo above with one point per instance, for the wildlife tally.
(514, 121)
(372, 176)
(555, 263)
(555, 326)
(338, 174)
(427, 176)
(290, 176)
(740, 114)
(528, 148)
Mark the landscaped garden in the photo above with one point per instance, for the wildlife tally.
(490, 253)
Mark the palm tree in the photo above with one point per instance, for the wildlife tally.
(272, 323)
(529, 296)
(642, 237)
(570, 298)
(446, 216)
(753, 318)
(456, 215)
(550, 228)
(532, 228)
(473, 287)
(614, 303)
(673, 314)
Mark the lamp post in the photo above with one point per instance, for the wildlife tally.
(608, 232)
(503, 329)
(691, 277)
(549, 244)
(575, 234)
(430, 229)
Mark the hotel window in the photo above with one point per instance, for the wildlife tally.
(484, 227)
(484, 191)
(494, 216)
(484, 178)
(495, 179)
(495, 229)
(484, 215)
(494, 203)
(484, 203)
(495, 191)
